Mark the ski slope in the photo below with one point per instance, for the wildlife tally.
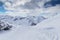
(45, 30)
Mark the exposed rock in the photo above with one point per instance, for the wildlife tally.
(4, 26)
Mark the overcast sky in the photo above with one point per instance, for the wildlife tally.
(34, 7)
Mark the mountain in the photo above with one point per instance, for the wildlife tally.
(17, 20)
(45, 30)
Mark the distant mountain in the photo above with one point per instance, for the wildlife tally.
(17, 20)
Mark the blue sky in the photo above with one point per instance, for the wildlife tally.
(2, 7)
(52, 3)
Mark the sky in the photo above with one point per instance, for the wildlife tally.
(1, 7)
(26, 7)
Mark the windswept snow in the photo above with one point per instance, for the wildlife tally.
(50, 22)
(45, 30)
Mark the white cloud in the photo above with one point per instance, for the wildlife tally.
(18, 13)
(46, 12)
(41, 4)
(13, 7)
(19, 7)
(14, 4)
(30, 4)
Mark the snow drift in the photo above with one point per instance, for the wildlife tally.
(45, 30)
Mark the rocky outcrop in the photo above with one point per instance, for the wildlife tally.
(4, 26)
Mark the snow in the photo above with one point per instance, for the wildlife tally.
(53, 21)
(17, 20)
(45, 30)
(5, 26)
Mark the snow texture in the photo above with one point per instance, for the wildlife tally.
(45, 30)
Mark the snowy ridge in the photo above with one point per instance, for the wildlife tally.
(17, 20)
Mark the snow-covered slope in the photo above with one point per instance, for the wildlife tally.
(50, 22)
(45, 30)
(17, 20)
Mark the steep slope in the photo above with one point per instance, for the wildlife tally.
(50, 22)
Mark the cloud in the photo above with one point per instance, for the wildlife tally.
(30, 7)
(13, 7)
(33, 4)
(25, 4)
(21, 12)
(46, 12)
(14, 4)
